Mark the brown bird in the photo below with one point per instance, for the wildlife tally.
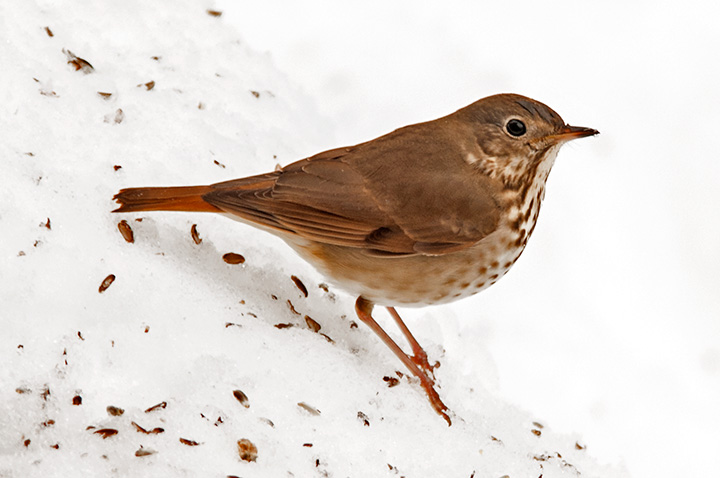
(427, 214)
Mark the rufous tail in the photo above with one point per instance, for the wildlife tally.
(184, 198)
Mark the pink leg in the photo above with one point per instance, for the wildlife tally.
(419, 355)
(364, 309)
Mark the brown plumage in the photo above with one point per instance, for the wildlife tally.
(429, 213)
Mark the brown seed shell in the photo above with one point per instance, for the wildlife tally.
(156, 407)
(247, 450)
(314, 326)
(242, 398)
(106, 283)
(194, 233)
(300, 285)
(309, 408)
(233, 258)
(144, 452)
(126, 231)
(114, 411)
(106, 432)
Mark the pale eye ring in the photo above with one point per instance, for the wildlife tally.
(515, 127)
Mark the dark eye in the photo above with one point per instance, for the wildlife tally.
(515, 127)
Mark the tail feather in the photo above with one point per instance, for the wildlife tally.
(184, 198)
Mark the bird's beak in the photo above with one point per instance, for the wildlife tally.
(568, 133)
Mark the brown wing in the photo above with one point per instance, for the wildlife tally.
(397, 194)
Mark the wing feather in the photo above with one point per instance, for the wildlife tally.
(391, 196)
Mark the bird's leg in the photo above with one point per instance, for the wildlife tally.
(419, 355)
(364, 309)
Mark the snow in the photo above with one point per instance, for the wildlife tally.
(613, 345)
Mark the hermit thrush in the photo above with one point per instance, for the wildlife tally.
(427, 214)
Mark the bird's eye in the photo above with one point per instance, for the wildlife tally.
(515, 127)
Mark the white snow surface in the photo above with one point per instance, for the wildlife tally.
(622, 267)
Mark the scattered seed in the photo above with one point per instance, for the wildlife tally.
(77, 400)
(308, 408)
(314, 326)
(156, 407)
(119, 116)
(219, 163)
(150, 85)
(300, 285)
(154, 431)
(144, 452)
(242, 398)
(327, 337)
(256, 94)
(156, 58)
(116, 167)
(114, 411)
(22, 390)
(46, 224)
(79, 334)
(194, 233)
(55, 446)
(49, 32)
(391, 381)
(538, 425)
(232, 258)
(106, 283)
(201, 105)
(283, 326)
(292, 308)
(106, 432)
(307, 445)
(247, 450)
(45, 393)
(187, 442)
(126, 231)
(104, 95)
(536, 432)
(353, 324)
(579, 446)
(268, 421)
(80, 64)
(26, 442)
(324, 287)
(363, 418)
(214, 13)
(48, 423)
(231, 324)
(147, 329)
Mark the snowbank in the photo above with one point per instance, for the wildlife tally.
(165, 369)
